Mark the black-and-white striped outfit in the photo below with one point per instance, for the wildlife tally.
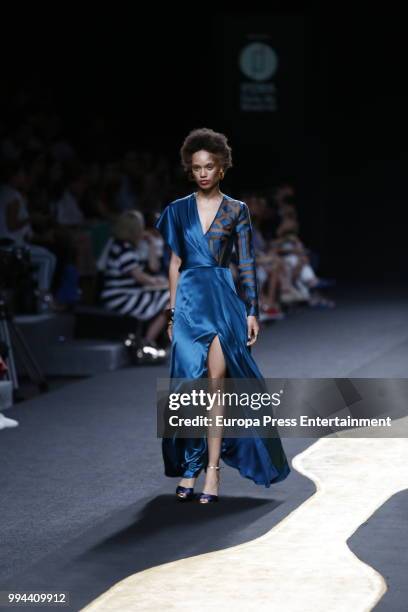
(121, 292)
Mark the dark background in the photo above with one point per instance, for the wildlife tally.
(339, 132)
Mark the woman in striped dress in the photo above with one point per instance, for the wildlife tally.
(130, 285)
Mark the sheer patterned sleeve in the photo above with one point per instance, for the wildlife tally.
(167, 226)
(246, 260)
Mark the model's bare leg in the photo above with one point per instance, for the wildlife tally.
(217, 369)
(216, 373)
(187, 482)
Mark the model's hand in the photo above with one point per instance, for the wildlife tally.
(253, 329)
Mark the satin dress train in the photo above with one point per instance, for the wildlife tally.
(208, 304)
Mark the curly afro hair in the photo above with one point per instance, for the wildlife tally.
(207, 140)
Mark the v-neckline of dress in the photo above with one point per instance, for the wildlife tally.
(204, 234)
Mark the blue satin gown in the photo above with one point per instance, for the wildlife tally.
(207, 304)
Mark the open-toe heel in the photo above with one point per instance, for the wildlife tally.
(185, 493)
(207, 498)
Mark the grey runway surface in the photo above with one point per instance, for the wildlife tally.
(84, 500)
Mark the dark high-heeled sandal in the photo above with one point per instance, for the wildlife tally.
(207, 498)
(185, 493)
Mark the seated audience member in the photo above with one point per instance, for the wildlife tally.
(283, 202)
(16, 224)
(131, 285)
(268, 269)
(272, 273)
(108, 192)
(69, 216)
(156, 239)
(297, 258)
(131, 182)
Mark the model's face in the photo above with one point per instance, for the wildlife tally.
(206, 169)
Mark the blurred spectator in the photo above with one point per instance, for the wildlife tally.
(131, 284)
(108, 196)
(157, 241)
(130, 183)
(66, 209)
(272, 274)
(68, 214)
(15, 223)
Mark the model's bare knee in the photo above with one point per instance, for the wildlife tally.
(216, 360)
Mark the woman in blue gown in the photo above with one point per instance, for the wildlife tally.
(211, 327)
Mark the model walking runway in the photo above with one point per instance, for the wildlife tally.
(207, 305)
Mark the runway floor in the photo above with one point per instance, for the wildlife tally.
(84, 503)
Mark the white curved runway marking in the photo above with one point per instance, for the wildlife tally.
(303, 564)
